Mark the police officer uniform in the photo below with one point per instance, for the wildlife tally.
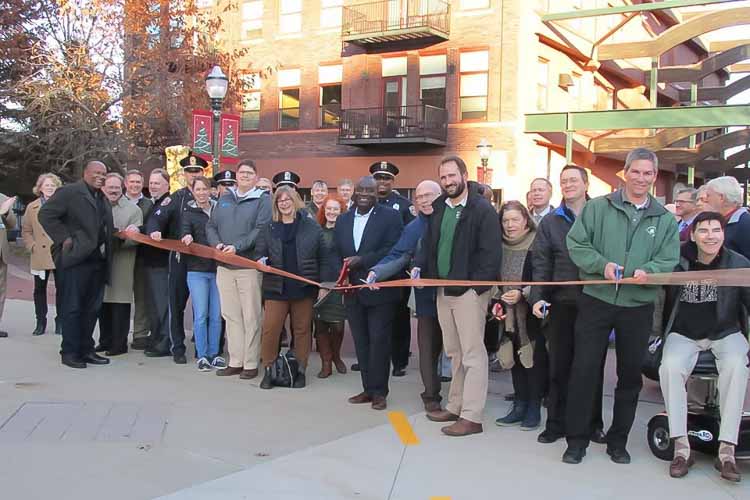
(226, 178)
(167, 220)
(401, 334)
(286, 178)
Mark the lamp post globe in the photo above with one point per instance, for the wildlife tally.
(216, 88)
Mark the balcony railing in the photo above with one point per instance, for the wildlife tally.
(396, 124)
(395, 20)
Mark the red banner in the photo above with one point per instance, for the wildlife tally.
(230, 134)
(203, 132)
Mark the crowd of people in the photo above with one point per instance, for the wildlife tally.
(553, 338)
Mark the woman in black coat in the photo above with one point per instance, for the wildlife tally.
(293, 241)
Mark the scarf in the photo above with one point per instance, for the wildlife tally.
(514, 256)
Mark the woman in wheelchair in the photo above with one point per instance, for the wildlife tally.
(705, 317)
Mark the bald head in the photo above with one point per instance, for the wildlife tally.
(94, 173)
(427, 191)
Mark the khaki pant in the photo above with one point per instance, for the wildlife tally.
(462, 320)
(239, 291)
(141, 323)
(274, 316)
(678, 360)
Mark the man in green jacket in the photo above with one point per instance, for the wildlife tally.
(627, 233)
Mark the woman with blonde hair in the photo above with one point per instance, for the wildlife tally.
(293, 242)
(36, 241)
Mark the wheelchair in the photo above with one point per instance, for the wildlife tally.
(702, 420)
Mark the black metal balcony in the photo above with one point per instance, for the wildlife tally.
(420, 124)
(384, 22)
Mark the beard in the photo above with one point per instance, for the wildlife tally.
(460, 188)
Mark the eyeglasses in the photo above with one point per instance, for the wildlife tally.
(680, 202)
(283, 200)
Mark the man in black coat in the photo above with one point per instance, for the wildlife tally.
(79, 221)
(166, 221)
(364, 236)
(385, 174)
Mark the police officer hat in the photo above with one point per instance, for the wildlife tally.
(226, 178)
(286, 178)
(385, 168)
(192, 163)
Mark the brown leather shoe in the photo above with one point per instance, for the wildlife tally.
(249, 374)
(360, 398)
(679, 466)
(228, 371)
(728, 470)
(442, 416)
(432, 406)
(462, 427)
(378, 403)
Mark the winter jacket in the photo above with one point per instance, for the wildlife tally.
(604, 233)
(153, 257)
(194, 222)
(551, 260)
(737, 232)
(394, 265)
(314, 262)
(477, 243)
(238, 220)
(732, 304)
(166, 217)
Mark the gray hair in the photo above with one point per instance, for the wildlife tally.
(319, 183)
(116, 176)
(693, 193)
(642, 154)
(728, 187)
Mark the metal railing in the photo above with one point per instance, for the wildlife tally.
(389, 15)
(401, 123)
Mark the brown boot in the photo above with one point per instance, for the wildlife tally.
(324, 349)
(462, 427)
(337, 338)
(680, 466)
(442, 416)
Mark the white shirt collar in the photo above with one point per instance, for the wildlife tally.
(357, 214)
(461, 202)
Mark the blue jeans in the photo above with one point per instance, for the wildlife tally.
(206, 313)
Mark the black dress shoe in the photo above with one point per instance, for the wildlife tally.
(73, 361)
(355, 367)
(398, 372)
(94, 359)
(154, 353)
(599, 436)
(116, 353)
(573, 455)
(139, 344)
(3, 334)
(618, 455)
(547, 437)
(40, 329)
(101, 348)
(179, 359)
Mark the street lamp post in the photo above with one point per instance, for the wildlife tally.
(484, 155)
(216, 87)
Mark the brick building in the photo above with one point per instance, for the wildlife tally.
(333, 86)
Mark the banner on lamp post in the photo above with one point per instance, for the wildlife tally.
(230, 128)
(203, 131)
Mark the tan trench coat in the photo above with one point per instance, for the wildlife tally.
(35, 239)
(120, 289)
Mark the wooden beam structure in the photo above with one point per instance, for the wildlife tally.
(675, 35)
(655, 142)
(740, 158)
(700, 70)
(723, 45)
(624, 9)
(722, 94)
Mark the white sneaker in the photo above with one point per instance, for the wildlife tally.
(204, 365)
(219, 362)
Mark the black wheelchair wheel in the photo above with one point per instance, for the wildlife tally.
(659, 441)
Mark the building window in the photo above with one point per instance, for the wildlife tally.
(252, 20)
(393, 66)
(542, 84)
(289, 83)
(251, 96)
(330, 13)
(329, 78)
(474, 83)
(432, 71)
(290, 16)
(474, 4)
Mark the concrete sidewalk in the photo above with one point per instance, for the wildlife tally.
(144, 428)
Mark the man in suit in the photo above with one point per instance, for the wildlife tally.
(141, 323)
(364, 236)
(7, 221)
(166, 222)
(78, 219)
